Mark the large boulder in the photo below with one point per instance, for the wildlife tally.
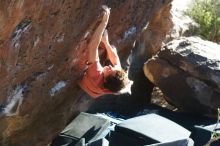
(42, 55)
(187, 70)
(147, 44)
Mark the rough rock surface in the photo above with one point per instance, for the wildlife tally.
(187, 70)
(42, 55)
(182, 24)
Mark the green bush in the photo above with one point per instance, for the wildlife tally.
(207, 14)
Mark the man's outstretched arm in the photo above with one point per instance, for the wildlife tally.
(97, 36)
(111, 51)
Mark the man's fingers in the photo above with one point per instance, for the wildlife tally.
(106, 9)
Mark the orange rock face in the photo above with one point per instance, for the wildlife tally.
(42, 55)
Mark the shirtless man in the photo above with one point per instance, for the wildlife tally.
(98, 80)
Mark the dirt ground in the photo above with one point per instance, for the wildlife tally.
(158, 98)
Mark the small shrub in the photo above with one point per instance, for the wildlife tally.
(214, 133)
(207, 14)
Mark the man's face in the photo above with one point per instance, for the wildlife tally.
(109, 70)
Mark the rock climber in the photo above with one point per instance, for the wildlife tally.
(98, 80)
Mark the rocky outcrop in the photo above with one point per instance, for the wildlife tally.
(187, 70)
(42, 55)
(182, 23)
(147, 44)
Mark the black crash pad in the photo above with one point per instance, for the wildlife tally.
(147, 129)
(87, 126)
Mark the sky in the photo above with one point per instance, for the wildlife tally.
(181, 4)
